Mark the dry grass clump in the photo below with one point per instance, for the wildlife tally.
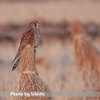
(30, 82)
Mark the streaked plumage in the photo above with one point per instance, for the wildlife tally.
(30, 37)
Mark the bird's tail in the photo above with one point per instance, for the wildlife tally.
(16, 64)
(14, 59)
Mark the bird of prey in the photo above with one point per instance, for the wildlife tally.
(30, 37)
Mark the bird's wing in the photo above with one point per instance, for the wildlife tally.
(23, 43)
(16, 64)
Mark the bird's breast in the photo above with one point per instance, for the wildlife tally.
(28, 46)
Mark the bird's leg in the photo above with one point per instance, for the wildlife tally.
(34, 62)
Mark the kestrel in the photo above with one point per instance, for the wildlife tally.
(30, 37)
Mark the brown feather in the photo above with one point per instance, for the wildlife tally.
(30, 37)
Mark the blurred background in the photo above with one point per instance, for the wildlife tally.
(55, 62)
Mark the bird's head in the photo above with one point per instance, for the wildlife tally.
(35, 26)
(76, 29)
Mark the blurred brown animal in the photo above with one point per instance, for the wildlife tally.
(87, 57)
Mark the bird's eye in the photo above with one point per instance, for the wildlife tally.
(36, 25)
